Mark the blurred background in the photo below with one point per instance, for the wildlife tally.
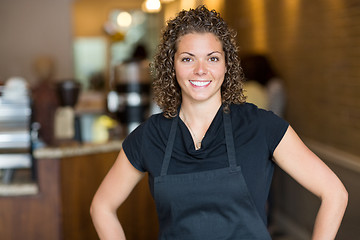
(74, 82)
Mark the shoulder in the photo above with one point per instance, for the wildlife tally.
(144, 139)
(259, 124)
(153, 124)
(157, 119)
(157, 125)
(250, 111)
(154, 128)
(248, 115)
(246, 107)
(247, 111)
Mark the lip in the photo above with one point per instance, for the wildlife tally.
(200, 83)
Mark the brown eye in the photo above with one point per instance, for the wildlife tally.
(186, 59)
(214, 59)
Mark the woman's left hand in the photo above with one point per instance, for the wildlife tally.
(308, 170)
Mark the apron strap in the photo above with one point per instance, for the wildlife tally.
(229, 141)
(169, 146)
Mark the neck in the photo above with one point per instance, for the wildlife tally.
(200, 112)
(198, 118)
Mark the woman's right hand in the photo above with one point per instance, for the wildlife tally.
(113, 191)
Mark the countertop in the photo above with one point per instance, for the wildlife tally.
(23, 187)
(77, 150)
(18, 189)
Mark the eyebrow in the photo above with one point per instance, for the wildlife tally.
(206, 55)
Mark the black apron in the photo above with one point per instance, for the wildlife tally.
(213, 204)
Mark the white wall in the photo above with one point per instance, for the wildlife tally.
(29, 29)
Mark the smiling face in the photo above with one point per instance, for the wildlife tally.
(200, 67)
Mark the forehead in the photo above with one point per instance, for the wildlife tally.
(197, 40)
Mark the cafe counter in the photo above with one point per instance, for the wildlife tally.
(56, 205)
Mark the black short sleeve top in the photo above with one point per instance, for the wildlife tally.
(256, 132)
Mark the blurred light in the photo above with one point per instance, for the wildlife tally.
(124, 19)
(151, 6)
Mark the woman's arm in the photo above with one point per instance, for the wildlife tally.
(307, 169)
(113, 191)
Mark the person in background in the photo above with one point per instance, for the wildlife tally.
(209, 154)
(264, 87)
(140, 53)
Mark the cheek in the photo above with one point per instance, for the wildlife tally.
(181, 72)
(179, 76)
(219, 72)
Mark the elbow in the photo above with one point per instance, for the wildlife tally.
(92, 209)
(344, 197)
(99, 209)
(336, 196)
(339, 197)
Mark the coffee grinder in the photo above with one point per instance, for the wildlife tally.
(66, 127)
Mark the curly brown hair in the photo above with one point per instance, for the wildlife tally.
(167, 92)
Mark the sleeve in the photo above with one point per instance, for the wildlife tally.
(132, 148)
(275, 128)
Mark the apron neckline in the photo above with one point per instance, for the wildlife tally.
(228, 138)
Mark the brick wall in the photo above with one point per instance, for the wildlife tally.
(315, 45)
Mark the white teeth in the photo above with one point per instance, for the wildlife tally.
(200, 83)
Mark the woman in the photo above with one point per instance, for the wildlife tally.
(209, 154)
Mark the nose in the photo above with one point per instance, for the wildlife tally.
(200, 68)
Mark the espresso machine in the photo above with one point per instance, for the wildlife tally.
(15, 129)
(130, 98)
